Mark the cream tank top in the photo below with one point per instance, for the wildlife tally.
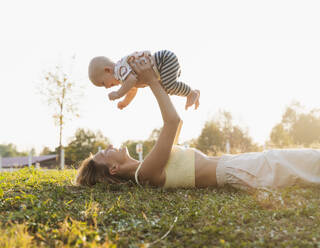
(179, 170)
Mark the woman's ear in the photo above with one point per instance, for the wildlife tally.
(114, 169)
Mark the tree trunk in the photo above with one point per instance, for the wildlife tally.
(60, 133)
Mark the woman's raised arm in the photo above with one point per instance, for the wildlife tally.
(152, 168)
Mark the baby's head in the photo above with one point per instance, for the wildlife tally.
(101, 72)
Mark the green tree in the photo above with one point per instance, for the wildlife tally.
(280, 137)
(62, 94)
(155, 134)
(147, 145)
(10, 150)
(82, 144)
(298, 127)
(241, 142)
(151, 141)
(46, 151)
(131, 146)
(306, 130)
(211, 139)
(216, 133)
(191, 143)
(225, 121)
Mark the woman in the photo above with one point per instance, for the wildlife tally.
(171, 166)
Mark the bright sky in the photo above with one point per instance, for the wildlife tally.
(252, 58)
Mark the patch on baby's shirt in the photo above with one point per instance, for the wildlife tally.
(122, 69)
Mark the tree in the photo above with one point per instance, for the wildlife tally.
(298, 127)
(217, 132)
(147, 145)
(241, 142)
(280, 137)
(225, 122)
(155, 134)
(131, 146)
(62, 94)
(83, 143)
(10, 150)
(211, 139)
(306, 130)
(46, 151)
(191, 143)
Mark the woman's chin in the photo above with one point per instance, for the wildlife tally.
(125, 150)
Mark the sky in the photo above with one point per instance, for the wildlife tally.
(251, 58)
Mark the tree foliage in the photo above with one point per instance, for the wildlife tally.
(46, 151)
(10, 150)
(146, 144)
(62, 94)
(211, 139)
(298, 127)
(241, 142)
(217, 132)
(82, 144)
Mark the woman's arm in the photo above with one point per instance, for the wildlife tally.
(152, 168)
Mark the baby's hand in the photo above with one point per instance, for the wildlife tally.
(122, 105)
(113, 95)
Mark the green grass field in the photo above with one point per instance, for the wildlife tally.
(43, 209)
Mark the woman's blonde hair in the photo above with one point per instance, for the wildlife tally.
(90, 173)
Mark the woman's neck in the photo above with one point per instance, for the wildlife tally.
(129, 169)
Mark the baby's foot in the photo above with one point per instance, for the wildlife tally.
(193, 98)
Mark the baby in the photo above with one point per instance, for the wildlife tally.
(104, 72)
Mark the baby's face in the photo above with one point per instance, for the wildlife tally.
(106, 80)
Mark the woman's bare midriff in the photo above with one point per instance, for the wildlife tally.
(205, 170)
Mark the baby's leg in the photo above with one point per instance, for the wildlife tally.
(169, 69)
(182, 89)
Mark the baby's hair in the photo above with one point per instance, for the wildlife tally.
(90, 173)
(96, 67)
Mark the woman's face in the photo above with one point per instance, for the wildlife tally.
(111, 156)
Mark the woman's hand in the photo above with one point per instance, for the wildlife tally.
(144, 70)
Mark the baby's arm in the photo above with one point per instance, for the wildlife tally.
(129, 97)
(125, 87)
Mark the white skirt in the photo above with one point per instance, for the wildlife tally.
(270, 169)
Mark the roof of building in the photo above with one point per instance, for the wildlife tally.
(22, 161)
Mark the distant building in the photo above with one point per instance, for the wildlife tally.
(45, 161)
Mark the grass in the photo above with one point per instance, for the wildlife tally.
(43, 209)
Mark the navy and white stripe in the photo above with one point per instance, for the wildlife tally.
(169, 69)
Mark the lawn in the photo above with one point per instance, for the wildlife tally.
(43, 209)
